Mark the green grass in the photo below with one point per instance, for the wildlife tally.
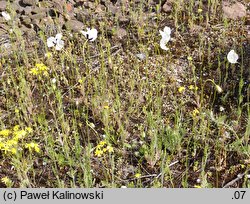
(92, 92)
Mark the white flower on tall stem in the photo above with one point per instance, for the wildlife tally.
(232, 57)
(56, 41)
(90, 34)
(165, 37)
(6, 16)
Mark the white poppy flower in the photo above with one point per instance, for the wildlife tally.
(165, 34)
(91, 34)
(56, 41)
(51, 41)
(6, 16)
(163, 43)
(232, 57)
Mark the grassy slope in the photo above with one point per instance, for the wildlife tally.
(160, 135)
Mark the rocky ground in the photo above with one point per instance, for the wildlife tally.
(36, 18)
(32, 16)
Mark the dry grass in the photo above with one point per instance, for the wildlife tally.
(101, 91)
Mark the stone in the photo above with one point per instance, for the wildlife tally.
(167, 7)
(234, 10)
(29, 2)
(82, 16)
(25, 20)
(3, 5)
(39, 16)
(58, 5)
(27, 10)
(74, 25)
(121, 33)
(89, 5)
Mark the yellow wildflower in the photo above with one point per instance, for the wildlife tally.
(32, 146)
(5, 132)
(48, 55)
(200, 10)
(196, 186)
(110, 149)
(20, 134)
(13, 150)
(5, 148)
(181, 89)
(34, 71)
(29, 129)
(6, 180)
(40, 68)
(11, 142)
(102, 143)
(98, 152)
(16, 127)
(191, 87)
(106, 105)
(80, 81)
(195, 112)
(137, 175)
(102, 148)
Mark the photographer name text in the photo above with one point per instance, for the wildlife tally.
(59, 195)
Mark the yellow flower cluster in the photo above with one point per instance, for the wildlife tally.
(40, 69)
(181, 89)
(195, 112)
(10, 140)
(137, 175)
(192, 87)
(6, 180)
(32, 146)
(103, 148)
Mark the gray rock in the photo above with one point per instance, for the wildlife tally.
(141, 56)
(82, 16)
(74, 25)
(3, 5)
(121, 33)
(38, 16)
(235, 10)
(29, 2)
(28, 10)
(26, 21)
(167, 7)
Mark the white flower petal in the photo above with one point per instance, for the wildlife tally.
(167, 30)
(59, 44)
(84, 33)
(166, 38)
(58, 36)
(162, 33)
(163, 45)
(91, 34)
(51, 41)
(165, 34)
(6, 16)
(232, 57)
